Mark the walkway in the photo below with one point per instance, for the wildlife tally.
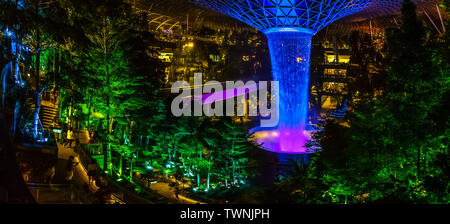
(168, 192)
(81, 178)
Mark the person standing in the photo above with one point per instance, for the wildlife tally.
(70, 138)
(92, 171)
(50, 174)
(69, 169)
(25, 170)
(177, 192)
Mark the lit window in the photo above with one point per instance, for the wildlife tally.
(300, 60)
(165, 57)
(331, 58)
(344, 58)
(214, 58)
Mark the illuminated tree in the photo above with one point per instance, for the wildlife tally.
(229, 149)
(289, 27)
(110, 70)
(395, 146)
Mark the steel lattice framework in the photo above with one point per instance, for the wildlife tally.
(289, 26)
(265, 14)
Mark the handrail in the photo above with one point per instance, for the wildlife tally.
(47, 185)
(117, 199)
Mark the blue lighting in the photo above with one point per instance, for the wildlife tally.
(289, 26)
(264, 14)
(288, 29)
(8, 33)
(290, 57)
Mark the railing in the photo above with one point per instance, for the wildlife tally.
(54, 193)
(118, 199)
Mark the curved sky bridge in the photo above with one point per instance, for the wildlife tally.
(224, 94)
(289, 26)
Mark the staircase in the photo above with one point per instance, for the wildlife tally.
(340, 113)
(47, 114)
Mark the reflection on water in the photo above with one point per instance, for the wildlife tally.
(283, 141)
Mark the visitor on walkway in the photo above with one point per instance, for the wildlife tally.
(25, 170)
(70, 138)
(50, 174)
(91, 136)
(103, 195)
(69, 169)
(56, 95)
(53, 96)
(177, 192)
(92, 171)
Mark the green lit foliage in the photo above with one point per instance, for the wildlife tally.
(106, 66)
(94, 53)
(396, 149)
(367, 76)
(201, 150)
(40, 28)
(231, 152)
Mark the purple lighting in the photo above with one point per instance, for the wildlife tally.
(290, 56)
(283, 141)
(226, 94)
(289, 26)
